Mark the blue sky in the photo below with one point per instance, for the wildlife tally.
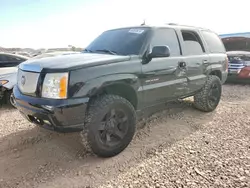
(58, 23)
(16, 12)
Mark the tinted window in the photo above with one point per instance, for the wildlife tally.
(192, 48)
(2, 58)
(8, 58)
(9, 61)
(167, 37)
(192, 43)
(126, 41)
(214, 42)
(12, 58)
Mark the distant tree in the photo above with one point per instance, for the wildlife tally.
(73, 48)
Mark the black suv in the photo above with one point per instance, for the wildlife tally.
(122, 72)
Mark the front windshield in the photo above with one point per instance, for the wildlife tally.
(239, 57)
(126, 41)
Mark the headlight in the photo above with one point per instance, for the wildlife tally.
(55, 86)
(2, 82)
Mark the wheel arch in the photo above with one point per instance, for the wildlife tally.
(121, 89)
(216, 73)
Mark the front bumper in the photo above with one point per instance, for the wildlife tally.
(243, 76)
(224, 77)
(67, 115)
(234, 78)
(3, 95)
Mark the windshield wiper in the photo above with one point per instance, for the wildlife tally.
(87, 50)
(107, 51)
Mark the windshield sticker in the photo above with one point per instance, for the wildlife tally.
(137, 31)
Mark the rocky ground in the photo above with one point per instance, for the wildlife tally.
(176, 147)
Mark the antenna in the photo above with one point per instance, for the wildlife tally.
(144, 22)
(172, 24)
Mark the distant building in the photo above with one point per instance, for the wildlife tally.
(236, 41)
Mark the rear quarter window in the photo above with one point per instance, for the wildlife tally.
(214, 42)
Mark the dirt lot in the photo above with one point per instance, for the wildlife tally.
(176, 147)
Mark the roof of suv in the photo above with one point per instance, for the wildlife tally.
(168, 25)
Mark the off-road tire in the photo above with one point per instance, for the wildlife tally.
(96, 111)
(201, 101)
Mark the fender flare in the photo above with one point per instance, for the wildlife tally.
(94, 86)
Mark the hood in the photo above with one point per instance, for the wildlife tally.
(52, 54)
(238, 53)
(237, 43)
(71, 61)
(7, 71)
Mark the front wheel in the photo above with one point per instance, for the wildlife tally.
(10, 98)
(209, 97)
(111, 124)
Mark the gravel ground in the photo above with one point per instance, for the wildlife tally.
(176, 147)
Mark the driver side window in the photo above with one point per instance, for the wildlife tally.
(166, 37)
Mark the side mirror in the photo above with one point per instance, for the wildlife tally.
(160, 51)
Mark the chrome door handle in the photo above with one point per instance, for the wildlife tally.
(205, 61)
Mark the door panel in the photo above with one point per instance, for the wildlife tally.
(196, 66)
(163, 80)
(196, 59)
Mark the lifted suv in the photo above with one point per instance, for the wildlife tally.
(122, 72)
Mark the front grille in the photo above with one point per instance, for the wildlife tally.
(235, 68)
(27, 81)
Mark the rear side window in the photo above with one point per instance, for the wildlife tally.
(192, 43)
(214, 42)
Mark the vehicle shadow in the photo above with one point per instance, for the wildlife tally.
(5, 106)
(36, 155)
(237, 82)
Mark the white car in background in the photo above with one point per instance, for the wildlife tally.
(8, 71)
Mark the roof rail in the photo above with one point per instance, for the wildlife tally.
(172, 24)
(185, 25)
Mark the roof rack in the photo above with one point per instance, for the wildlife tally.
(184, 25)
(172, 24)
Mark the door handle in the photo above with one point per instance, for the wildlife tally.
(205, 61)
(182, 64)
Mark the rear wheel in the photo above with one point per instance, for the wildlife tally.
(111, 124)
(209, 97)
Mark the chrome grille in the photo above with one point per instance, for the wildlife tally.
(235, 68)
(27, 81)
